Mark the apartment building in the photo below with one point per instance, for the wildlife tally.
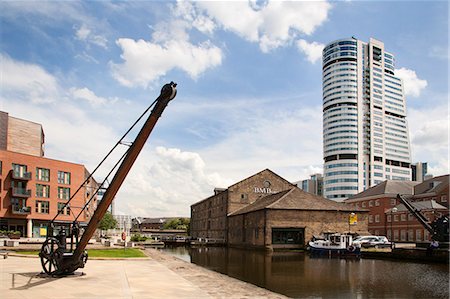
(389, 217)
(34, 188)
(365, 131)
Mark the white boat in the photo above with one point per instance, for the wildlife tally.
(335, 245)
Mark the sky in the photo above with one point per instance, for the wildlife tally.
(249, 85)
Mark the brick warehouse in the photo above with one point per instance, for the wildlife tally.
(32, 187)
(390, 218)
(268, 212)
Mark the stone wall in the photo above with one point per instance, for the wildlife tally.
(209, 217)
(249, 190)
(255, 229)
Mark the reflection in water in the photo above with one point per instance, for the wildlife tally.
(295, 274)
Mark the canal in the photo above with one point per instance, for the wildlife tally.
(295, 274)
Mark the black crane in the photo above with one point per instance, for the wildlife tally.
(439, 229)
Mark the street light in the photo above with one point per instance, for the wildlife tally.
(393, 210)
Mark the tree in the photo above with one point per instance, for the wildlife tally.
(107, 222)
(177, 223)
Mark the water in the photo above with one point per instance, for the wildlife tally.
(295, 274)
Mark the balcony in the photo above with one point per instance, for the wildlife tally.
(20, 192)
(24, 176)
(20, 210)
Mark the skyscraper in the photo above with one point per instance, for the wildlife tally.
(365, 132)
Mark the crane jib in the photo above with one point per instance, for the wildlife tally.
(56, 259)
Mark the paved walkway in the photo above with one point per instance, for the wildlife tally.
(20, 278)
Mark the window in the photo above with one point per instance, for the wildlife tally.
(42, 207)
(20, 170)
(410, 217)
(64, 177)
(64, 210)
(18, 204)
(288, 235)
(377, 218)
(370, 203)
(42, 190)
(444, 198)
(63, 193)
(418, 235)
(393, 201)
(42, 174)
(389, 218)
(363, 204)
(403, 217)
(403, 235)
(370, 218)
(395, 235)
(396, 218)
(377, 202)
(410, 235)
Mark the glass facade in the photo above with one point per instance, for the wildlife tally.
(364, 118)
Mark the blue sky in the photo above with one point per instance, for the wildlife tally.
(249, 84)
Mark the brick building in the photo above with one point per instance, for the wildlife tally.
(34, 188)
(209, 216)
(267, 211)
(390, 218)
(289, 219)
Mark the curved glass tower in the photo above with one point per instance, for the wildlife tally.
(365, 133)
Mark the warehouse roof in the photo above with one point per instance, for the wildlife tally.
(295, 199)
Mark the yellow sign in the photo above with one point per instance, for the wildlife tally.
(353, 219)
(43, 231)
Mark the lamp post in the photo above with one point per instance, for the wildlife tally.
(393, 210)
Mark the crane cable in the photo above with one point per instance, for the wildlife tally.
(98, 166)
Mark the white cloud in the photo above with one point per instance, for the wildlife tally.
(27, 81)
(312, 50)
(429, 129)
(165, 182)
(88, 95)
(272, 25)
(147, 61)
(413, 85)
(84, 33)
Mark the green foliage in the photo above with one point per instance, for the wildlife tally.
(119, 253)
(138, 238)
(178, 223)
(107, 222)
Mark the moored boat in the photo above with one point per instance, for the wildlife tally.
(335, 245)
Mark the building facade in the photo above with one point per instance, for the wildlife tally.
(289, 219)
(312, 185)
(365, 131)
(389, 217)
(419, 171)
(268, 212)
(34, 188)
(209, 216)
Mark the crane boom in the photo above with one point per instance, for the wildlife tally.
(53, 253)
(419, 216)
(438, 229)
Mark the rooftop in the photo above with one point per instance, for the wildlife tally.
(295, 199)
